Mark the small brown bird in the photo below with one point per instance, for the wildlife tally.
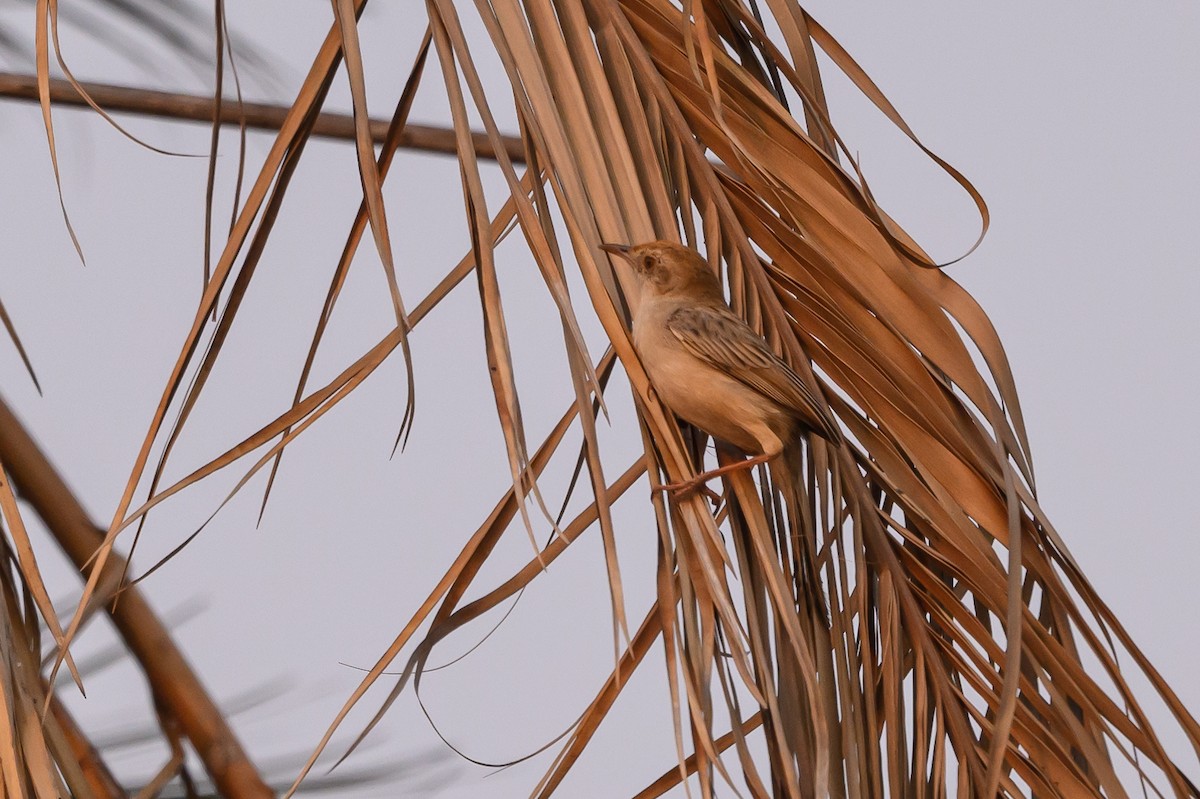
(707, 364)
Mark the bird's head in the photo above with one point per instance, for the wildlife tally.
(664, 267)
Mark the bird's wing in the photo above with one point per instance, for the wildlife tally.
(717, 335)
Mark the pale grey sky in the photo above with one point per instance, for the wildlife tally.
(1077, 122)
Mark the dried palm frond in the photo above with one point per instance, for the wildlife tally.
(45, 752)
(37, 759)
(903, 619)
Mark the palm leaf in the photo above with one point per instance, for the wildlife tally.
(899, 617)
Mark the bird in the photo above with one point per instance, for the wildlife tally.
(709, 367)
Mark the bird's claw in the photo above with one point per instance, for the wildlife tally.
(685, 489)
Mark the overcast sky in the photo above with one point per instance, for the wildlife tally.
(1077, 121)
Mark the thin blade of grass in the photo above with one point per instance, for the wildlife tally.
(345, 12)
(9, 328)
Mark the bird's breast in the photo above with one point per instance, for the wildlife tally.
(701, 394)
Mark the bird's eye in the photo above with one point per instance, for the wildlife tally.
(648, 262)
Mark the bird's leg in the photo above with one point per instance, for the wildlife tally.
(685, 487)
(688, 487)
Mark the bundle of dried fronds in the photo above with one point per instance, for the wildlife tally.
(904, 619)
(39, 759)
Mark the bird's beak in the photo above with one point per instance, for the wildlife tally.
(616, 249)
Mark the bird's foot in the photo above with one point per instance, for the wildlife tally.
(686, 488)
